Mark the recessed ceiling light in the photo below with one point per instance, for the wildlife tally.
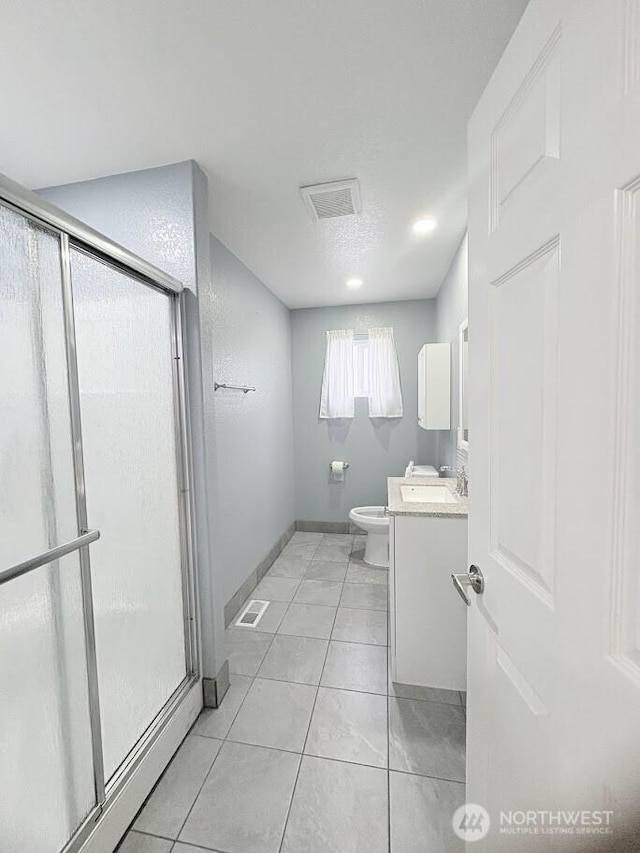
(424, 226)
(353, 283)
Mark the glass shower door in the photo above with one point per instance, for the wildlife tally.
(98, 652)
(46, 759)
(125, 354)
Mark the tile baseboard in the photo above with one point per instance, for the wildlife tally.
(244, 591)
(326, 527)
(214, 689)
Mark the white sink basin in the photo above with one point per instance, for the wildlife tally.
(427, 494)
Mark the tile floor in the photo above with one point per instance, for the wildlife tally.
(314, 749)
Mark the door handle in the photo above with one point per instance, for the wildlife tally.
(85, 538)
(473, 578)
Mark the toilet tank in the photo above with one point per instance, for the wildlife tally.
(414, 470)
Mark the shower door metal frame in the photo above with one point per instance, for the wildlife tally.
(73, 234)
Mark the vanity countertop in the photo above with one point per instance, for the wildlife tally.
(398, 506)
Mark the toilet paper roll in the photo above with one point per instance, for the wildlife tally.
(337, 471)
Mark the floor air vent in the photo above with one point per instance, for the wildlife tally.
(327, 201)
(252, 614)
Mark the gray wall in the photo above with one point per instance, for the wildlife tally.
(451, 310)
(375, 450)
(254, 432)
(150, 212)
(161, 214)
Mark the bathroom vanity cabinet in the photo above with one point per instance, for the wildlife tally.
(427, 542)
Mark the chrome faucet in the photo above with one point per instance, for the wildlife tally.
(462, 487)
(462, 483)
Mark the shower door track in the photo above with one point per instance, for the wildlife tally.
(73, 233)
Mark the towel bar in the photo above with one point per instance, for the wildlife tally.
(244, 388)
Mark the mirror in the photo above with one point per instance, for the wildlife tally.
(463, 385)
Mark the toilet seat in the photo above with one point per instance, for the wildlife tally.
(371, 516)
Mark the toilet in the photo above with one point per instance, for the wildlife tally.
(414, 470)
(373, 520)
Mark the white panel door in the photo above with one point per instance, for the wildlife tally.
(554, 319)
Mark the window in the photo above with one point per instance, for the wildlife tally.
(367, 367)
(361, 367)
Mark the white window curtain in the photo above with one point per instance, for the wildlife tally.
(353, 370)
(336, 400)
(385, 396)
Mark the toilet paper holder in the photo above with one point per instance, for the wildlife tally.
(345, 465)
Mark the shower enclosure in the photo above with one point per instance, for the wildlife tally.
(98, 643)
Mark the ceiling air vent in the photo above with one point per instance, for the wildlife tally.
(338, 198)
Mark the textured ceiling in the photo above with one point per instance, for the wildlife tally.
(266, 95)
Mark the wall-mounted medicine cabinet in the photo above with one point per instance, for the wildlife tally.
(434, 386)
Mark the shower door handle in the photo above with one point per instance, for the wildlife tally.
(473, 578)
(49, 556)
